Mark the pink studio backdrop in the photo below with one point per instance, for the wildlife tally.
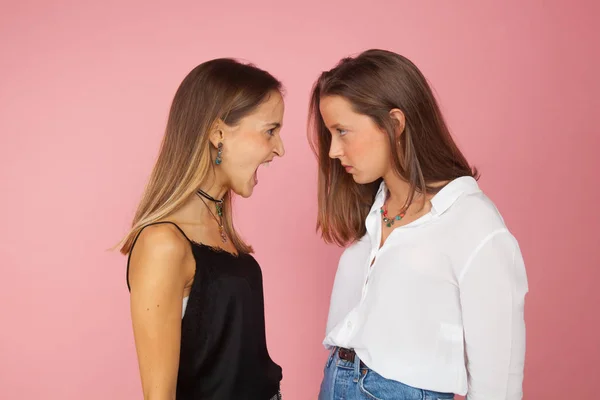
(84, 94)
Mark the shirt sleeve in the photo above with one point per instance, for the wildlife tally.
(493, 286)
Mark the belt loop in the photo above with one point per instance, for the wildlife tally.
(356, 367)
(331, 355)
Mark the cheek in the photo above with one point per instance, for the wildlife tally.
(358, 150)
(257, 150)
(248, 154)
(371, 150)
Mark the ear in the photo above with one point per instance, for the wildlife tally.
(217, 133)
(398, 116)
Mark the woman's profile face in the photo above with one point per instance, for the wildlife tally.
(254, 141)
(357, 142)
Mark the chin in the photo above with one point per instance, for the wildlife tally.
(365, 180)
(362, 180)
(245, 194)
(244, 191)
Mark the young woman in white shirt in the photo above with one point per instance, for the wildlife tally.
(428, 297)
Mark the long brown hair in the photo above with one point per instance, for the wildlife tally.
(221, 89)
(375, 82)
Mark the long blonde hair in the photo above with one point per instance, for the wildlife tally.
(221, 89)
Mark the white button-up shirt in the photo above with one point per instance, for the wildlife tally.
(441, 307)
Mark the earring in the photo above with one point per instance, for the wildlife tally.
(219, 158)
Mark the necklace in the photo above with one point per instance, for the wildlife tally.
(219, 207)
(218, 203)
(390, 221)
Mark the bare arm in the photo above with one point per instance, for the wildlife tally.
(157, 277)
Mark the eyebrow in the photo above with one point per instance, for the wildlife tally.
(336, 126)
(274, 125)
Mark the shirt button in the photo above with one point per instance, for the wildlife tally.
(349, 324)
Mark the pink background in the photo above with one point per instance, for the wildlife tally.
(84, 96)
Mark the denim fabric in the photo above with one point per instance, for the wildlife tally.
(343, 380)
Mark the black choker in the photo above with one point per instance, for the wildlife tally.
(208, 196)
(219, 207)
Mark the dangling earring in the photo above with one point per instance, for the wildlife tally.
(219, 158)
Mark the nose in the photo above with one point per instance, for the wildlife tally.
(335, 148)
(279, 148)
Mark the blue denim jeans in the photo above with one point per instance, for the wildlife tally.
(343, 380)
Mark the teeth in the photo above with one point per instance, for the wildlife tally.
(266, 164)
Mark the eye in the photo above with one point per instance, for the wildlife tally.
(271, 131)
(342, 132)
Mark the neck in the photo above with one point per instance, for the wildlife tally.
(195, 208)
(216, 191)
(398, 189)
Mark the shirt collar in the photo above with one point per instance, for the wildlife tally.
(446, 197)
(443, 200)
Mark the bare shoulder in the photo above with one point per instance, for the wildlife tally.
(163, 239)
(160, 253)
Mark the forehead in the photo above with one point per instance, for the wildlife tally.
(335, 107)
(270, 110)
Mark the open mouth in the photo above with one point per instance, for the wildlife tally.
(265, 164)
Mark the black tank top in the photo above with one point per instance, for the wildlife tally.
(223, 345)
